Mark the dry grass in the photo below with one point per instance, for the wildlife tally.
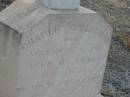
(125, 38)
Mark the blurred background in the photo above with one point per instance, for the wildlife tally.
(116, 81)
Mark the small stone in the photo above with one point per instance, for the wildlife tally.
(61, 4)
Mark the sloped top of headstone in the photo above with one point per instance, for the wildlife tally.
(21, 15)
(61, 4)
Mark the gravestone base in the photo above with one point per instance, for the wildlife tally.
(52, 53)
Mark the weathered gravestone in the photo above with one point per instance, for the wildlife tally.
(52, 53)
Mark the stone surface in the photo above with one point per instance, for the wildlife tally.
(48, 53)
(28, 1)
(99, 95)
(61, 4)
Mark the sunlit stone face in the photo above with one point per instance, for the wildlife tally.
(47, 53)
(61, 4)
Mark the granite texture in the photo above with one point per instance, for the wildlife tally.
(61, 4)
(52, 53)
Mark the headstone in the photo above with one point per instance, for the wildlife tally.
(52, 53)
